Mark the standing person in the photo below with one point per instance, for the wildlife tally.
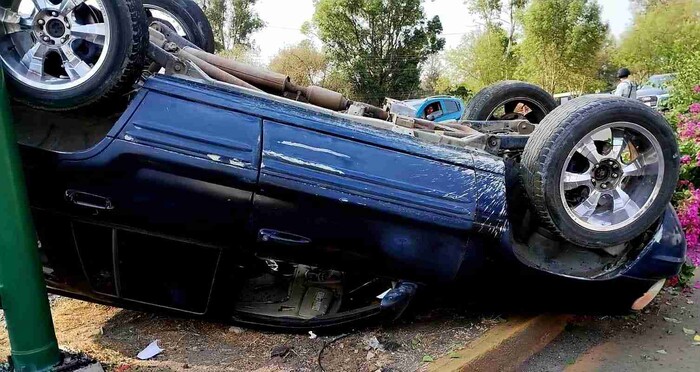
(626, 88)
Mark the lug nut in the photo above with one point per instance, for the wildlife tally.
(46, 39)
(41, 21)
(614, 175)
(604, 186)
(55, 14)
(615, 166)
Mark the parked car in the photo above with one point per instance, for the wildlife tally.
(654, 92)
(437, 108)
(228, 191)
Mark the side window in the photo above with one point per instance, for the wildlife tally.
(432, 108)
(451, 106)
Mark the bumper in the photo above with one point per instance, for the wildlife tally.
(661, 257)
(664, 254)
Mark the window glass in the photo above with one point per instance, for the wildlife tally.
(451, 106)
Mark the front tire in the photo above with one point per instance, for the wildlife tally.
(600, 170)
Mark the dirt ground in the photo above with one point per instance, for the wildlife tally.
(115, 337)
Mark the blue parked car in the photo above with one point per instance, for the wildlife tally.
(437, 108)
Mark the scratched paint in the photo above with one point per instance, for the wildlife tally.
(237, 163)
(315, 149)
(296, 161)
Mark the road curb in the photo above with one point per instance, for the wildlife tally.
(506, 346)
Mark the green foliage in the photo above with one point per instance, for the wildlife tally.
(687, 68)
(659, 34)
(432, 71)
(642, 6)
(488, 10)
(562, 47)
(233, 22)
(215, 10)
(244, 22)
(482, 59)
(378, 45)
(687, 275)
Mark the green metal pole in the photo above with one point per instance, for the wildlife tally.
(22, 288)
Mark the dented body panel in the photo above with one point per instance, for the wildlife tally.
(194, 183)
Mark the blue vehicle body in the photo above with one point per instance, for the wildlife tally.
(450, 108)
(195, 182)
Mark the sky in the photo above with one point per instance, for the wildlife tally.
(284, 19)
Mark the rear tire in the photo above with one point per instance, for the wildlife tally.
(189, 16)
(623, 190)
(507, 94)
(122, 65)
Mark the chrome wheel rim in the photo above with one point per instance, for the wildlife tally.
(54, 45)
(612, 176)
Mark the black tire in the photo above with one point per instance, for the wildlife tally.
(556, 136)
(122, 66)
(489, 99)
(190, 16)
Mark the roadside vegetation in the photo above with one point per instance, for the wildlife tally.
(371, 49)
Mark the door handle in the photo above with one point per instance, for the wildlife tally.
(279, 237)
(85, 199)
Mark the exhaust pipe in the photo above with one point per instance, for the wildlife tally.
(274, 82)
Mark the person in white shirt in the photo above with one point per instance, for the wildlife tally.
(626, 88)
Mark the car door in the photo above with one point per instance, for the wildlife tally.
(153, 205)
(451, 110)
(333, 194)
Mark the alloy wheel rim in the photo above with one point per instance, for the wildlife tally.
(612, 176)
(54, 45)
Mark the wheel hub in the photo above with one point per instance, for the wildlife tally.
(51, 28)
(55, 28)
(606, 175)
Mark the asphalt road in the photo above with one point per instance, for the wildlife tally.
(657, 339)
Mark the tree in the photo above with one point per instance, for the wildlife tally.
(233, 22)
(562, 45)
(481, 59)
(659, 36)
(492, 12)
(303, 62)
(244, 22)
(215, 10)
(644, 5)
(433, 68)
(378, 45)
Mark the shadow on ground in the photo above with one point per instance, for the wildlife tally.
(442, 319)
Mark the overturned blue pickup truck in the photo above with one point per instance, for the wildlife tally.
(222, 190)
